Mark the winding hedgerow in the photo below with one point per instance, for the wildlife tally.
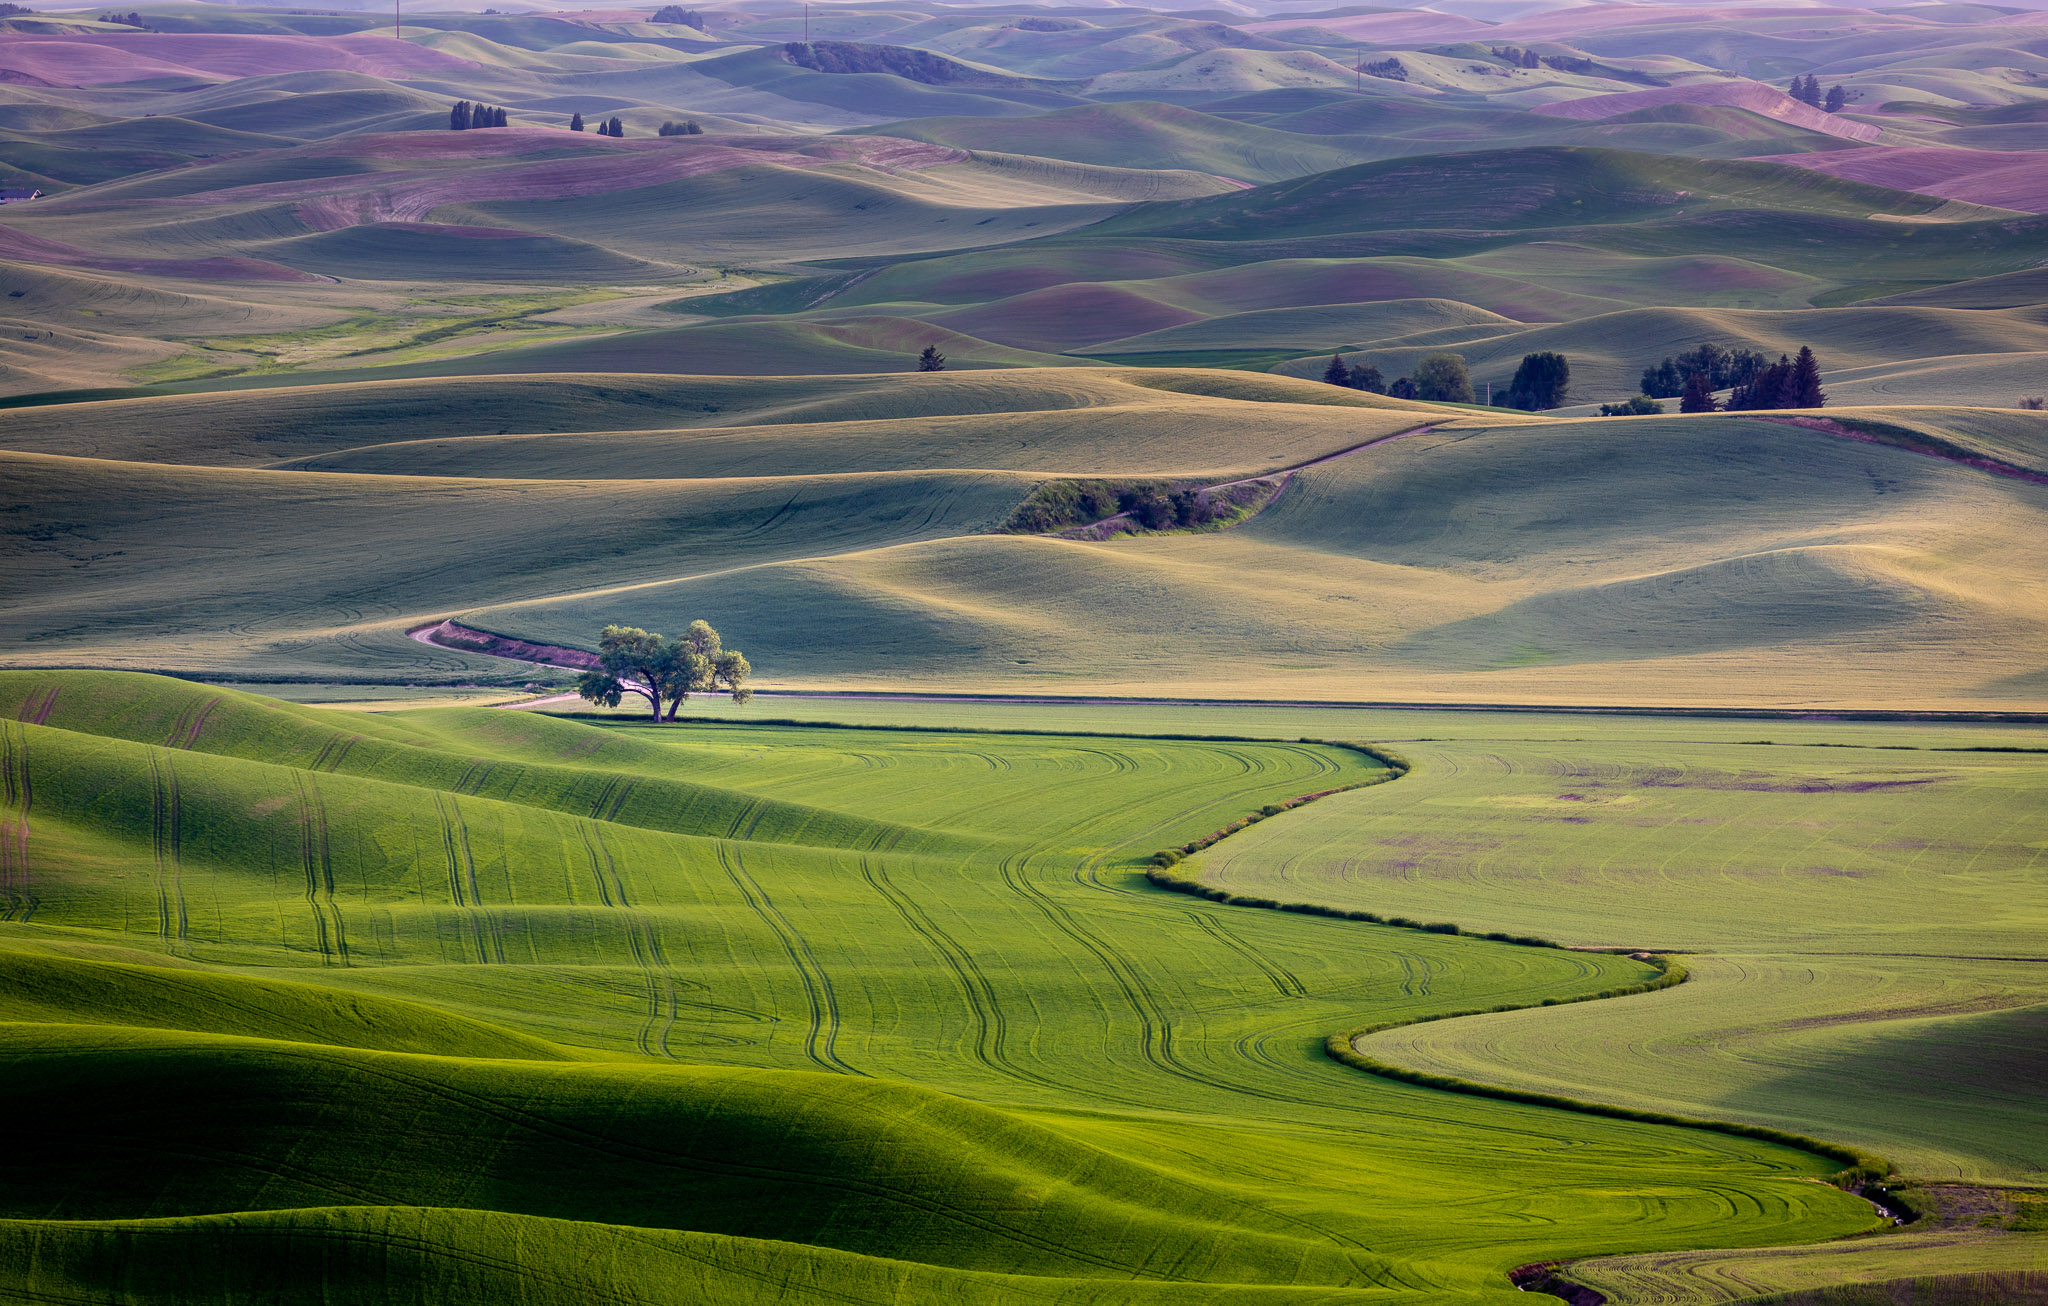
(1858, 1166)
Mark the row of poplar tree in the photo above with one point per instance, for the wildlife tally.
(466, 115)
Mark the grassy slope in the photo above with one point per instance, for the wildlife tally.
(1171, 1124)
(1837, 893)
(1765, 1030)
(1535, 563)
(1609, 351)
(1532, 561)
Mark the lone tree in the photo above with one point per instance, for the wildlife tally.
(1443, 378)
(1698, 396)
(575, 122)
(1336, 373)
(664, 671)
(931, 360)
(1542, 381)
(1837, 100)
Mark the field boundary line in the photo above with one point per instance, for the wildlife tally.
(1858, 1166)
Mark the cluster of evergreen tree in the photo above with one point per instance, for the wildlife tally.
(1723, 367)
(465, 116)
(679, 16)
(1807, 90)
(1391, 69)
(1787, 383)
(1359, 375)
(1517, 57)
(689, 128)
(120, 20)
(612, 128)
(8, 9)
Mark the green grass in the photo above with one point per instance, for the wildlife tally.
(1036, 1064)
(1862, 914)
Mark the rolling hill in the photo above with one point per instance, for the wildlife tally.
(1205, 837)
(718, 1076)
(1805, 569)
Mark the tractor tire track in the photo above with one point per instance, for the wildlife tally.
(1287, 983)
(185, 732)
(329, 757)
(17, 895)
(36, 708)
(172, 923)
(463, 891)
(319, 871)
(991, 1026)
(643, 940)
(823, 1033)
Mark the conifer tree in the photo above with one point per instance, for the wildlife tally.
(1838, 99)
(931, 360)
(616, 129)
(458, 117)
(1804, 385)
(1336, 373)
(498, 117)
(1698, 396)
(575, 122)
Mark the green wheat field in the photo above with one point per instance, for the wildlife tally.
(894, 653)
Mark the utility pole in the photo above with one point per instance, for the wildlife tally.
(394, 20)
(1489, 394)
(1358, 79)
(807, 24)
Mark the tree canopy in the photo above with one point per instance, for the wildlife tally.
(1542, 381)
(1787, 383)
(1443, 378)
(664, 671)
(1698, 396)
